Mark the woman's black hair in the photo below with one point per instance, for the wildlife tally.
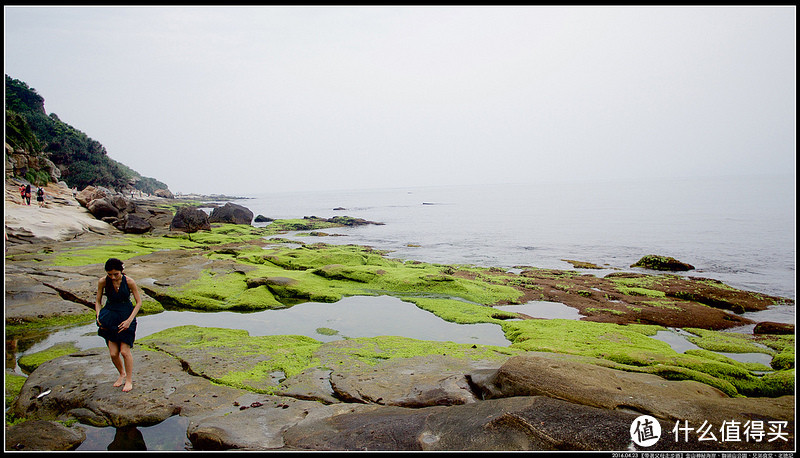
(113, 264)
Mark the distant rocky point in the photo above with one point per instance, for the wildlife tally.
(207, 197)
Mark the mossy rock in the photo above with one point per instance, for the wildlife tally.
(629, 347)
(14, 384)
(655, 262)
(30, 362)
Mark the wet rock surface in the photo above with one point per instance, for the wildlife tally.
(538, 403)
(39, 435)
(593, 385)
(409, 382)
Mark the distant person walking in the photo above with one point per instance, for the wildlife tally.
(40, 196)
(117, 320)
(28, 194)
(22, 194)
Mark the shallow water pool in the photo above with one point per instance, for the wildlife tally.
(356, 316)
(676, 339)
(544, 309)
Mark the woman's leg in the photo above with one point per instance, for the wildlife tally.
(114, 351)
(127, 357)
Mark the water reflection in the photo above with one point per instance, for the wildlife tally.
(128, 438)
(676, 338)
(170, 434)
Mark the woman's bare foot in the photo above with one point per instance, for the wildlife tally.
(120, 381)
(128, 386)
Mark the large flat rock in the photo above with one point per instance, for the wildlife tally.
(593, 385)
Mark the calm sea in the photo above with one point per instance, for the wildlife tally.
(737, 230)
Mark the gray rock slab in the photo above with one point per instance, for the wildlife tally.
(40, 435)
(409, 382)
(80, 386)
(312, 384)
(597, 386)
(257, 426)
(520, 423)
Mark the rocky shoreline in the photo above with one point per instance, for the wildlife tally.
(561, 385)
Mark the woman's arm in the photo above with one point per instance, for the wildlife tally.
(98, 301)
(138, 298)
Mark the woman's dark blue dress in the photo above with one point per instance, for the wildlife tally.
(117, 309)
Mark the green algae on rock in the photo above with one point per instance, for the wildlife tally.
(14, 384)
(655, 262)
(629, 348)
(259, 363)
(22, 326)
(582, 264)
(232, 357)
(320, 273)
(30, 362)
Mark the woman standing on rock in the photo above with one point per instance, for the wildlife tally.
(117, 320)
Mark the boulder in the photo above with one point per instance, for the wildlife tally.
(263, 219)
(133, 224)
(256, 426)
(409, 382)
(593, 385)
(165, 193)
(41, 435)
(190, 219)
(655, 262)
(122, 204)
(89, 194)
(231, 213)
(511, 424)
(80, 386)
(103, 208)
(769, 327)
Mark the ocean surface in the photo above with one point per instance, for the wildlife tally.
(738, 230)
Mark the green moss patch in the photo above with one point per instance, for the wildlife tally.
(369, 351)
(629, 348)
(729, 342)
(219, 291)
(258, 363)
(656, 262)
(582, 264)
(13, 387)
(30, 362)
(14, 328)
(638, 285)
(232, 357)
(457, 311)
(326, 273)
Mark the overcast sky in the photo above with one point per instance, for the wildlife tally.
(244, 100)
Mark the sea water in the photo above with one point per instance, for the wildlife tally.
(739, 230)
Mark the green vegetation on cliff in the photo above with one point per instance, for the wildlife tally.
(82, 160)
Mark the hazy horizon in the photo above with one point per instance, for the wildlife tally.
(247, 100)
